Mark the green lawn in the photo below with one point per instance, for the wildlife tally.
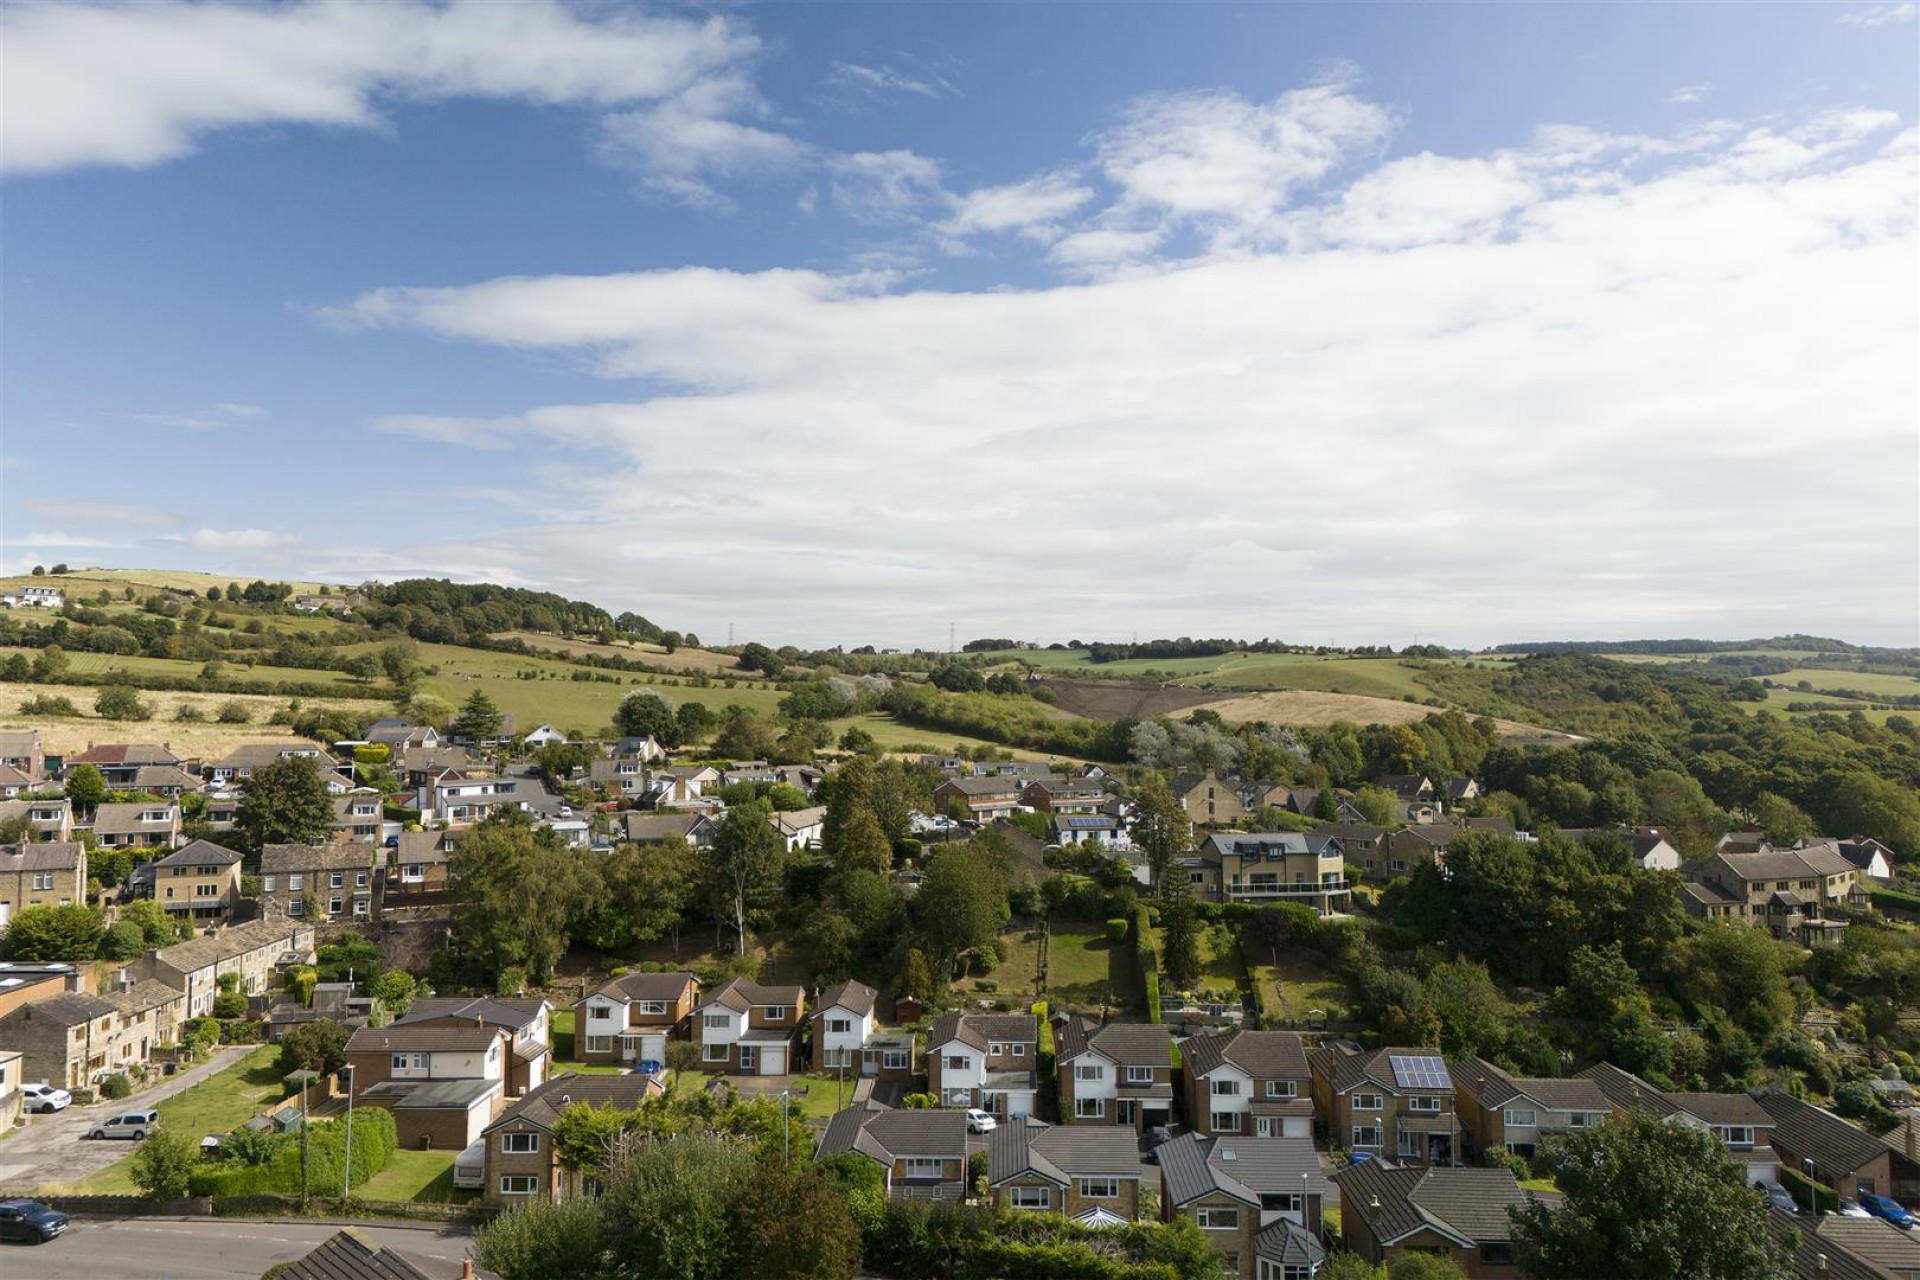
(415, 1175)
(563, 1058)
(1079, 965)
(1295, 985)
(824, 1094)
(102, 664)
(217, 1105)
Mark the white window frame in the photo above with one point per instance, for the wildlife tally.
(1089, 1071)
(931, 1167)
(716, 1022)
(1411, 1144)
(1217, 1219)
(336, 879)
(1139, 1075)
(335, 906)
(1515, 1119)
(1224, 1121)
(711, 1052)
(1107, 1188)
(1424, 1104)
(656, 1007)
(957, 1062)
(519, 1144)
(776, 1012)
(599, 1013)
(1018, 1049)
(894, 1060)
(1030, 1197)
(599, 1044)
(518, 1184)
(1367, 1102)
(1089, 1108)
(839, 1026)
(1366, 1137)
(1224, 1088)
(1281, 1089)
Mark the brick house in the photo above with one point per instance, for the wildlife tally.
(1394, 1103)
(1259, 1201)
(1119, 1074)
(520, 1157)
(119, 763)
(1735, 1118)
(1208, 800)
(41, 875)
(1090, 1173)
(979, 799)
(336, 879)
(359, 815)
(747, 1029)
(200, 882)
(630, 1018)
(52, 820)
(444, 1085)
(1456, 1213)
(1498, 1110)
(1248, 1082)
(843, 1020)
(255, 951)
(985, 1060)
(922, 1154)
(529, 1021)
(1845, 1156)
(1064, 795)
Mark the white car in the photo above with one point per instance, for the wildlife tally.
(45, 1098)
(134, 1126)
(981, 1121)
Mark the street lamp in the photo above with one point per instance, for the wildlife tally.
(346, 1165)
(1813, 1186)
(786, 1125)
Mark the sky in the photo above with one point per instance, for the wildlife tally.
(845, 324)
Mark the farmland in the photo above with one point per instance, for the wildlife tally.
(195, 741)
(691, 661)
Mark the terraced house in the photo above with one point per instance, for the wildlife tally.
(985, 1060)
(1089, 1173)
(630, 1018)
(747, 1029)
(1119, 1074)
(199, 882)
(41, 875)
(75, 1039)
(1248, 1082)
(255, 952)
(1393, 1103)
(317, 882)
(1259, 1201)
(1793, 892)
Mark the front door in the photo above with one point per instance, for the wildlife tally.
(749, 1059)
(1126, 1111)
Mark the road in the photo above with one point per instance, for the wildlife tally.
(194, 1249)
(51, 1151)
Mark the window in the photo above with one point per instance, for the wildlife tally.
(776, 1013)
(1226, 1088)
(716, 1022)
(1521, 1119)
(1089, 1071)
(1366, 1135)
(840, 1026)
(266, 883)
(1019, 1050)
(1280, 1088)
(1226, 1122)
(409, 1062)
(894, 1060)
(296, 882)
(43, 879)
(599, 1044)
(360, 908)
(1100, 1188)
(1139, 1075)
(1366, 1102)
(1285, 1202)
(1580, 1120)
(653, 1006)
(359, 879)
(1497, 1253)
(1218, 1219)
(1738, 1135)
(599, 1013)
(995, 1049)
(296, 907)
(1271, 1270)
(1268, 1127)
(518, 1184)
(714, 1052)
(1410, 1143)
(958, 1062)
(519, 1144)
(1089, 1108)
(336, 880)
(920, 1167)
(1030, 1198)
(1425, 1103)
(334, 906)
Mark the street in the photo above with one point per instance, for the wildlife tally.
(50, 1150)
(194, 1249)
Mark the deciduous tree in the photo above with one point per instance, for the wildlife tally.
(285, 802)
(744, 865)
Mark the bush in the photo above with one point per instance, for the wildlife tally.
(116, 1086)
(187, 713)
(121, 702)
(1117, 929)
(230, 1004)
(235, 712)
(511, 982)
(1501, 1158)
(163, 1166)
(1798, 1187)
(43, 705)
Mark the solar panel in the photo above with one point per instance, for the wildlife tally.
(1422, 1072)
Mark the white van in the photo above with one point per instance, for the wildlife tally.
(132, 1126)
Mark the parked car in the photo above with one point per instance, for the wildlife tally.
(30, 1221)
(45, 1098)
(1881, 1207)
(1778, 1197)
(133, 1126)
(1852, 1209)
(981, 1121)
(1157, 1135)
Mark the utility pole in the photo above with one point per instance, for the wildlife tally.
(305, 1189)
(346, 1165)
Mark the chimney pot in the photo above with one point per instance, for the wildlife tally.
(466, 1269)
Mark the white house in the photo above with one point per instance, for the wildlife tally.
(35, 598)
(1103, 829)
(458, 799)
(800, 828)
(545, 736)
(842, 1025)
(985, 1060)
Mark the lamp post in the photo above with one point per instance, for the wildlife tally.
(1813, 1186)
(346, 1165)
(786, 1125)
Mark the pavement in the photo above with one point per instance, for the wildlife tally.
(51, 1149)
(199, 1248)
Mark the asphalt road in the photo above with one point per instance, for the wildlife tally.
(193, 1249)
(51, 1150)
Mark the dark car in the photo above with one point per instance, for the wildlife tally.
(1156, 1135)
(33, 1223)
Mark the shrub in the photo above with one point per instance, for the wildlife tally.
(1798, 1187)
(1117, 929)
(116, 1086)
(235, 712)
(121, 702)
(511, 982)
(163, 1166)
(1501, 1158)
(230, 1004)
(187, 713)
(43, 705)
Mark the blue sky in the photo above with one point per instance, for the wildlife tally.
(837, 323)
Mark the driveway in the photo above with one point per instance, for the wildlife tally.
(50, 1150)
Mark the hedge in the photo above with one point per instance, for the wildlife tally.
(1796, 1184)
(1895, 899)
(373, 1146)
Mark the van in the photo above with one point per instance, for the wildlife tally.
(134, 1126)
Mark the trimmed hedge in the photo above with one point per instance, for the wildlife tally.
(373, 1146)
(1796, 1184)
(1894, 900)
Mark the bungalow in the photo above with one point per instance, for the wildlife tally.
(317, 881)
(843, 1021)
(521, 1160)
(1460, 1214)
(627, 778)
(255, 951)
(398, 735)
(1648, 846)
(1499, 1110)
(13, 782)
(168, 780)
(20, 749)
(985, 1060)
(979, 799)
(630, 1018)
(1259, 1201)
(1248, 1082)
(638, 827)
(1089, 1173)
(1118, 1074)
(41, 875)
(147, 825)
(1845, 1157)
(800, 828)
(201, 881)
(642, 749)
(747, 1029)
(1208, 800)
(1392, 1103)
(543, 736)
(922, 1154)
(1874, 859)
(528, 1020)
(119, 763)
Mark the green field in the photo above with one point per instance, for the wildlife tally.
(98, 665)
(894, 736)
(1868, 682)
(1369, 677)
(217, 1105)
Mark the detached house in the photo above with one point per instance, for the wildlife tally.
(1845, 1157)
(985, 1060)
(137, 826)
(1735, 1118)
(800, 828)
(747, 1029)
(631, 1017)
(521, 1162)
(51, 819)
(1648, 846)
(843, 1021)
(1259, 1201)
(1791, 891)
(1499, 1110)
(1249, 1082)
(1119, 1074)
(461, 799)
(528, 1020)
(317, 881)
(627, 778)
(1460, 1214)
(1396, 1104)
(239, 764)
(1280, 866)
(638, 827)
(119, 763)
(1089, 1173)
(443, 1084)
(1107, 830)
(41, 875)
(167, 780)
(1063, 795)
(979, 800)
(20, 751)
(201, 882)
(922, 1154)
(1208, 800)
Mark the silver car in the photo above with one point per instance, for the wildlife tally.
(133, 1126)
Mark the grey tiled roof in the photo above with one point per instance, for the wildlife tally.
(345, 855)
(1834, 1146)
(511, 1014)
(887, 1136)
(857, 997)
(47, 855)
(1134, 1044)
(741, 995)
(982, 1029)
(1245, 1168)
(1628, 1092)
(1469, 1205)
(349, 1255)
(69, 1008)
(197, 953)
(543, 1106)
(396, 1039)
(1264, 1055)
(200, 853)
(647, 986)
(1723, 1108)
(1063, 1152)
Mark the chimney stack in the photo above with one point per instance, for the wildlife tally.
(466, 1269)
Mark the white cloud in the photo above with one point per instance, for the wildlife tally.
(237, 540)
(875, 81)
(1545, 412)
(213, 417)
(140, 84)
(102, 513)
(1687, 94)
(1878, 15)
(1034, 208)
(884, 186)
(679, 146)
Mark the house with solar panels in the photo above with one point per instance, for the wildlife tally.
(1397, 1104)
(1103, 830)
